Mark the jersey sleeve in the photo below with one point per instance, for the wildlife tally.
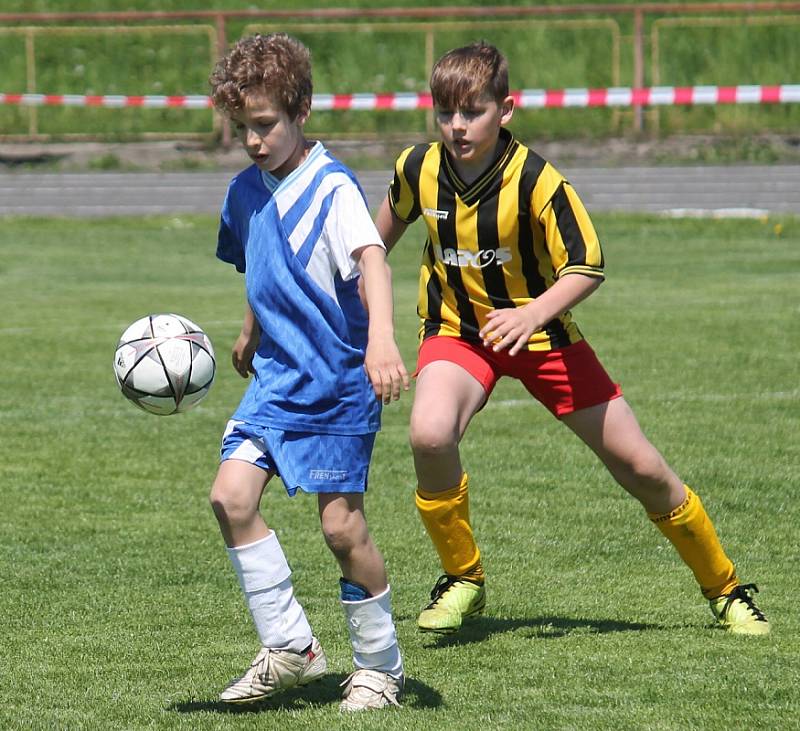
(570, 236)
(404, 190)
(349, 227)
(229, 245)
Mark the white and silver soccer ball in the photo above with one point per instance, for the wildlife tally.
(164, 364)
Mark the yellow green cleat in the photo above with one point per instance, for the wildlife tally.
(737, 612)
(453, 599)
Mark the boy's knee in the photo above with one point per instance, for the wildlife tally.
(428, 437)
(647, 469)
(343, 532)
(650, 466)
(338, 539)
(218, 496)
(229, 503)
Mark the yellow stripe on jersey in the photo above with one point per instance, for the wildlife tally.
(508, 228)
(497, 242)
(571, 237)
(438, 303)
(406, 179)
(467, 245)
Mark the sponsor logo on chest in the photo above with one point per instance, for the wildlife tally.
(475, 259)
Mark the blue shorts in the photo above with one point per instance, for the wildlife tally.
(312, 462)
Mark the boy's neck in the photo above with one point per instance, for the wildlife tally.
(272, 181)
(470, 172)
(296, 159)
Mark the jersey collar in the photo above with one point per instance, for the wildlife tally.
(272, 183)
(472, 192)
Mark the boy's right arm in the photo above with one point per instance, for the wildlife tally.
(245, 346)
(389, 226)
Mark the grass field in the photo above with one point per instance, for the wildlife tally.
(119, 606)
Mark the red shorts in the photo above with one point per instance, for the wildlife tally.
(564, 380)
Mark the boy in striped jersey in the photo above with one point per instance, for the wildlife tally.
(297, 225)
(510, 250)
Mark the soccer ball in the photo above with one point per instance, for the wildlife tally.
(164, 364)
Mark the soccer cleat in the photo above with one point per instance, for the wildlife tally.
(453, 599)
(737, 612)
(275, 670)
(366, 689)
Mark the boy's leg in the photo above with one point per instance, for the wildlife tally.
(366, 599)
(613, 433)
(289, 655)
(235, 498)
(346, 534)
(446, 398)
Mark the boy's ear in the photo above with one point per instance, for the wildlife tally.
(506, 110)
(303, 114)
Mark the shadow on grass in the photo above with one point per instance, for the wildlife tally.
(326, 691)
(543, 628)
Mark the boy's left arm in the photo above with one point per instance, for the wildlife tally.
(576, 258)
(382, 361)
(511, 328)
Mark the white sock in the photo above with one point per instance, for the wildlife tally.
(264, 575)
(372, 634)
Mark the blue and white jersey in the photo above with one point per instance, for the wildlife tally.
(294, 239)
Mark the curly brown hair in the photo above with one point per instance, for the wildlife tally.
(275, 64)
(464, 75)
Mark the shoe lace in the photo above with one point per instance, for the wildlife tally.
(443, 583)
(264, 670)
(744, 593)
(367, 688)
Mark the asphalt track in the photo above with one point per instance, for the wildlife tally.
(715, 191)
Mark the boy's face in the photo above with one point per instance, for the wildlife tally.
(273, 141)
(470, 134)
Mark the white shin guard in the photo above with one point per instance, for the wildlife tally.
(264, 575)
(372, 634)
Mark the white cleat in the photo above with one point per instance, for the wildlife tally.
(370, 689)
(275, 670)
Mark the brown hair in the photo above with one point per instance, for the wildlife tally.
(464, 75)
(275, 64)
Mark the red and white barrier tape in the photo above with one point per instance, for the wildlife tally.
(526, 98)
(114, 100)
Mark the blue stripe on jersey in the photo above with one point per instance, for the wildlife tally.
(307, 247)
(300, 207)
(274, 183)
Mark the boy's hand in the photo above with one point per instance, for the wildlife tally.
(385, 369)
(243, 351)
(510, 328)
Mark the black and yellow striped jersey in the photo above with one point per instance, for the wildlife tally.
(500, 241)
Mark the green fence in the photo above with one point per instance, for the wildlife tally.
(97, 54)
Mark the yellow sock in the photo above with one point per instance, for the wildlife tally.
(445, 516)
(691, 531)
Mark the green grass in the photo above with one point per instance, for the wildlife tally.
(550, 52)
(40, 6)
(119, 605)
